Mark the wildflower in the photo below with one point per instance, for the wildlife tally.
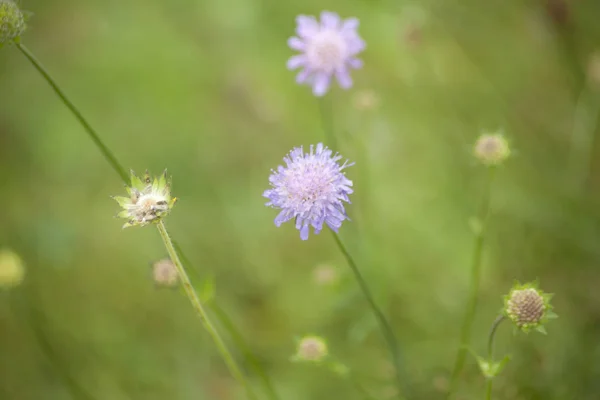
(311, 189)
(12, 22)
(311, 348)
(528, 307)
(148, 201)
(327, 48)
(491, 148)
(164, 273)
(12, 270)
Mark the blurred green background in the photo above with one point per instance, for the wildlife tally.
(201, 88)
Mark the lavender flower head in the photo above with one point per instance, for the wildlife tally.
(327, 48)
(311, 188)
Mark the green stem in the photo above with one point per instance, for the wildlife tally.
(112, 160)
(108, 155)
(490, 352)
(204, 318)
(465, 334)
(384, 325)
(241, 344)
(236, 336)
(326, 111)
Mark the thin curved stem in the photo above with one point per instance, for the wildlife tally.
(384, 325)
(236, 336)
(465, 334)
(202, 314)
(108, 155)
(490, 353)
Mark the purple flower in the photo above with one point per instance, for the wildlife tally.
(311, 188)
(327, 48)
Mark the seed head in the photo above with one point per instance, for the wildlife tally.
(311, 188)
(311, 348)
(164, 273)
(12, 22)
(491, 149)
(528, 307)
(12, 270)
(328, 48)
(149, 200)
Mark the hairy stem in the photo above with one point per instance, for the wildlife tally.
(490, 353)
(476, 262)
(384, 325)
(202, 314)
(108, 155)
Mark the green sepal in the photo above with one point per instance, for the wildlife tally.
(122, 200)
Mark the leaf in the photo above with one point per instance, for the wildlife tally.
(207, 292)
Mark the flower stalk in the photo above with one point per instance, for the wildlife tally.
(201, 312)
(108, 155)
(490, 354)
(384, 325)
(476, 263)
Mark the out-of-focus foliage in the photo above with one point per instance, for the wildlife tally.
(201, 88)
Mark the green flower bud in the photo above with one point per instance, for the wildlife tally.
(491, 149)
(149, 200)
(311, 348)
(528, 307)
(12, 22)
(12, 270)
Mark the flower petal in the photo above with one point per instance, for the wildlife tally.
(321, 84)
(296, 61)
(306, 26)
(296, 43)
(355, 63)
(303, 76)
(343, 77)
(304, 232)
(330, 20)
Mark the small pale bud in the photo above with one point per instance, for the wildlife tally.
(165, 273)
(593, 70)
(366, 100)
(12, 270)
(12, 22)
(528, 307)
(311, 348)
(491, 148)
(325, 275)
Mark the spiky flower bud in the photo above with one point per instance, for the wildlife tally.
(165, 273)
(528, 307)
(491, 148)
(12, 22)
(149, 200)
(311, 348)
(12, 270)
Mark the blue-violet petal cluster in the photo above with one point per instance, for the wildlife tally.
(311, 188)
(328, 48)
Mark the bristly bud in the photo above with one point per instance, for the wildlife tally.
(311, 348)
(149, 200)
(165, 273)
(491, 149)
(12, 22)
(528, 307)
(12, 270)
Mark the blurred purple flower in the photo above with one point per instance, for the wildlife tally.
(311, 189)
(327, 48)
